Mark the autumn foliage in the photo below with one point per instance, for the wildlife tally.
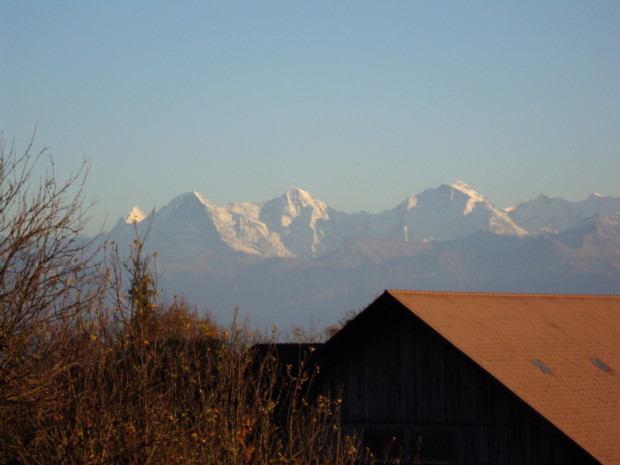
(94, 369)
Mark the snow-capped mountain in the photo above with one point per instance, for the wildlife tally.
(298, 219)
(453, 211)
(295, 260)
(545, 214)
(298, 225)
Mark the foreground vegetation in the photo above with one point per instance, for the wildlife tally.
(95, 370)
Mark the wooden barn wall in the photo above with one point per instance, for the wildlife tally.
(397, 377)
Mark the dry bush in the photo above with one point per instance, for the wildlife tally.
(46, 287)
(191, 399)
(95, 370)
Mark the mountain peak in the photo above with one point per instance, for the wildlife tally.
(296, 224)
(459, 195)
(201, 198)
(294, 200)
(191, 197)
(135, 216)
(465, 188)
(460, 185)
(297, 195)
(410, 202)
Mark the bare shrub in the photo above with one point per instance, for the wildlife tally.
(46, 284)
(94, 369)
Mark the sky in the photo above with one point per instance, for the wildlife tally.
(361, 103)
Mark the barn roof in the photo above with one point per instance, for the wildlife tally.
(558, 353)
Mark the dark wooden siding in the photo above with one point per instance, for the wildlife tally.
(398, 378)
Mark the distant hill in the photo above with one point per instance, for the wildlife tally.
(296, 261)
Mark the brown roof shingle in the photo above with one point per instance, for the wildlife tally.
(550, 350)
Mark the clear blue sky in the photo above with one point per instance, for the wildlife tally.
(362, 103)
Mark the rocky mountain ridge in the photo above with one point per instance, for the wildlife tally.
(295, 259)
(298, 225)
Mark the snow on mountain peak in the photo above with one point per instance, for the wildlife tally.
(461, 185)
(135, 216)
(459, 194)
(296, 217)
(411, 202)
(201, 198)
(190, 198)
(545, 214)
(474, 196)
(293, 201)
(296, 224)
(451, 211)
(299, 196)
(467, 190)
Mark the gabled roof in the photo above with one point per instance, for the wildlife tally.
(558, 353)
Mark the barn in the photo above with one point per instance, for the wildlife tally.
(478, 378)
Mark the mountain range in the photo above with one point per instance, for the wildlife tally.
(296, 261)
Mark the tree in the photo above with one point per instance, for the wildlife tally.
(97, 371)
(45, 271)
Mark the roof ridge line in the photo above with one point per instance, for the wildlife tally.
(482, 293)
